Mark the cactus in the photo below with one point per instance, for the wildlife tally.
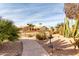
(66, 29)
(72, 12)
(75, 32)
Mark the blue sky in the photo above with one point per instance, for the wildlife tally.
(48, 14)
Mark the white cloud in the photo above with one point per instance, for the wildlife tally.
(38, 13)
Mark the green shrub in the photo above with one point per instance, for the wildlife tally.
(30, 35)
(41, 35)
(8, 31)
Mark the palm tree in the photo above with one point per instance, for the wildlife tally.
(31, 26)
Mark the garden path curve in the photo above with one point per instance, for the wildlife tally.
(32, 48)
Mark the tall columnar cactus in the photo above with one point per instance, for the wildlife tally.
(72, 12)
(76, 28)
(66, 29)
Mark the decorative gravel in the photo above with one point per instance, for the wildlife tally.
(11, 49)
(61, 46)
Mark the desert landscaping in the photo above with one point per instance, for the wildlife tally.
(40, 40)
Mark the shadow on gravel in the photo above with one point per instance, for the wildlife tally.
(59, 48)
